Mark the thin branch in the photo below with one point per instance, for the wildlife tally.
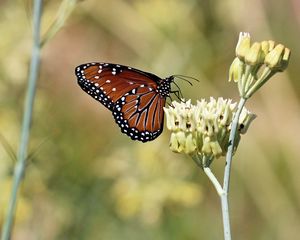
(21, 161)
(214, 180)
(229, 155)
(231, 144)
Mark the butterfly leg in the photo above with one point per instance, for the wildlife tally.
(178, 94)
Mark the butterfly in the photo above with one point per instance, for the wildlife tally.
(135, 98)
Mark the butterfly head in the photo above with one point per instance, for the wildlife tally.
(164, 87)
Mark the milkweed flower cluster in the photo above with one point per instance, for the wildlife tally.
(202, 130)
(256, 63)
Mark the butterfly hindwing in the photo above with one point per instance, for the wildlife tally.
(139, 114)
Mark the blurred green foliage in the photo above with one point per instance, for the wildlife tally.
(88, 181)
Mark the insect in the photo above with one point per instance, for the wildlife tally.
(135, 98)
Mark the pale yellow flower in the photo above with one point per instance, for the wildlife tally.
(203, 129)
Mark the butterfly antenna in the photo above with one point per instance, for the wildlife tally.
(185, 78)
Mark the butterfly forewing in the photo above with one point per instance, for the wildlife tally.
(109, 82)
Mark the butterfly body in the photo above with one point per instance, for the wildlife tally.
(135, 98)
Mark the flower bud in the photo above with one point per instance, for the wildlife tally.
(265, 47)
(271, 45)
(274, 57)
(255, 55)
(236, 69)
(255, 64)
(243, 45)
(285, 59)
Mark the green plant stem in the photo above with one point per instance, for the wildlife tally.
(266, 75)
(224, 196)
(27, 117)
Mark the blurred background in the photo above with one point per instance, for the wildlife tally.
(86, 180)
